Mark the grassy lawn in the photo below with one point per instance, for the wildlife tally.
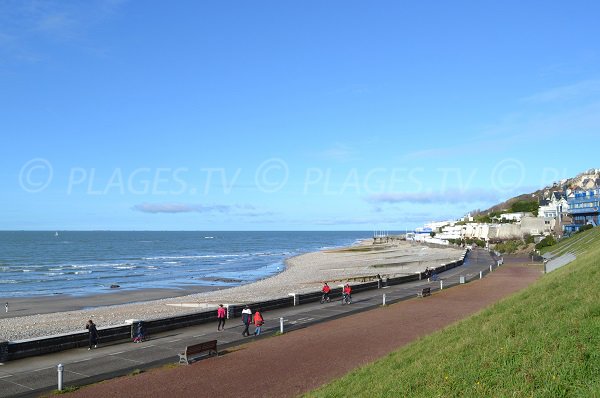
(541, 342)
(577, 243)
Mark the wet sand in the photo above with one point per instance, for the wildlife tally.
(24, 306)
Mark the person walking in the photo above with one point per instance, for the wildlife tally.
(247, 320)
(326, 290)
(140, 333)
(258, 322)
(93, 334)
(347, 294)
(6, 307)
(221, 316)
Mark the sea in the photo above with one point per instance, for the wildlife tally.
(34, 263)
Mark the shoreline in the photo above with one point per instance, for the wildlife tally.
(302, 273)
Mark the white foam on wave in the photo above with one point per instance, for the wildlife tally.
(7, 281)
(197, 256)
(79, 266)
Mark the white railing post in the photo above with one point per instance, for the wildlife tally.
(281, 325)
(295, 296)
(441, 284)
(60, 369)
(480, 274)
(384, 299)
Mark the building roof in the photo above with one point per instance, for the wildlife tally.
(558, 195)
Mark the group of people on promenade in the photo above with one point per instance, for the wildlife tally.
(430, 273)
(346, 293)
(247, 319)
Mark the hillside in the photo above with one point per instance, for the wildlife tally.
(542, 342)
(587, 180)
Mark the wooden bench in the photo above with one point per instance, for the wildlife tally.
(426, 291)
(192, 351)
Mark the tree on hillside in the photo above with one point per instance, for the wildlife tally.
(525, 206)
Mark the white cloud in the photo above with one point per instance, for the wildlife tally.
(436, 197)
(244, 210)
(339, 152)
(26, 23)
(577, 90)
(180, 208)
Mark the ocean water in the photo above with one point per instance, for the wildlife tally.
(87, 262)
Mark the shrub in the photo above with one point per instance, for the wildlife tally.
(528, 239)
(510, 246)
(525, 206)
(546, 242)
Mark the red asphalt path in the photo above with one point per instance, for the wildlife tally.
(302, 360)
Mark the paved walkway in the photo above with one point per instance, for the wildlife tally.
(300, 361)
(33, 376)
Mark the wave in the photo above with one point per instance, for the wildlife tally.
(196, 256)
(78, 266)
(8, 281)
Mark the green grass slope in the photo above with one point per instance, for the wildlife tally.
(541, 342)
(578, 243)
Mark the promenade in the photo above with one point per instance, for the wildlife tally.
(343, 336)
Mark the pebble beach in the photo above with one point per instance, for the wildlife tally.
(303, 273)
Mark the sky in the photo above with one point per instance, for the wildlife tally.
(281, 115)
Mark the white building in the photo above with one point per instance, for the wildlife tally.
(553, 207)
(512, 216)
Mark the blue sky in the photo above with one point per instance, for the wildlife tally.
(309, 115)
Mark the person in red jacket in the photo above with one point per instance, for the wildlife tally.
(347, 294)
(258, 322)
(221, 316)
(326, 290)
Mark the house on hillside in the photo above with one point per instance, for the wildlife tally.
(512, 216)
(556, 206)
(584, 208)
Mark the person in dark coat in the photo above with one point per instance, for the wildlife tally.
(140, 333)
(93, 334)
(247, 320)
